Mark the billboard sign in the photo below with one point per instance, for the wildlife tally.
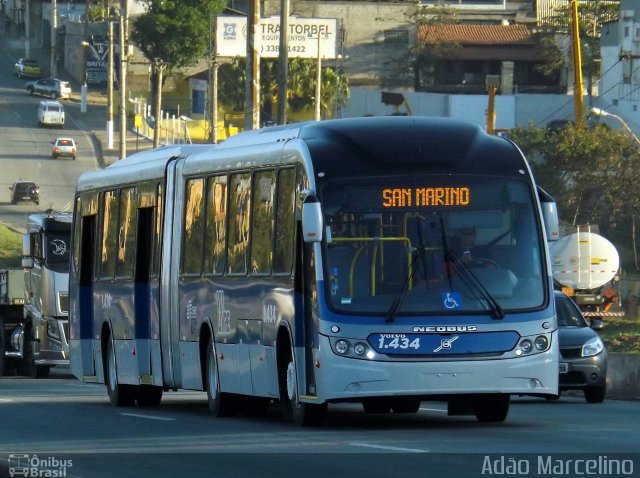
(307, 36)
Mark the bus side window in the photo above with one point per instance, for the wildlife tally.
(193, 227)
(216, 225)
(264, 189)
(239, 216)
(285, 221)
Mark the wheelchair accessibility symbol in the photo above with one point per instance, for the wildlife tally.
(451, 300)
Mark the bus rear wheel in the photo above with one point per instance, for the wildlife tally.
(220, 404)
(303, 414)
(491, 408)
(119, 395)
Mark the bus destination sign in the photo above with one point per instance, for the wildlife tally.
(426, 197)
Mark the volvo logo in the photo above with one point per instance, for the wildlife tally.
(438, 329)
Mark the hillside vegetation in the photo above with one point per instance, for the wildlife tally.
(10, 248)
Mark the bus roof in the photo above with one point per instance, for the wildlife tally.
(387, 145)
(393, 145)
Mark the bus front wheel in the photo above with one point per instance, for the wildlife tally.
(303, 414)
(220, 404)
(119, 395)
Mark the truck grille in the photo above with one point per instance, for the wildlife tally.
(63, 300)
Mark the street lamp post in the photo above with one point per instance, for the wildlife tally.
(110, 89)
(605, 114)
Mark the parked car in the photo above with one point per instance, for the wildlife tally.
(51, 87)
(25, 191)
(27, 67)
(63, 147)
(583, 361)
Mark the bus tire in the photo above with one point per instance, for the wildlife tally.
(148, 395)
(220, 404)
(303, 414)
(491, 408)
(120, 395)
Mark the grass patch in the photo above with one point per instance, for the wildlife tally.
(622, 335)
(10, 248)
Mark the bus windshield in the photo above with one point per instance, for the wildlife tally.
(432, 245)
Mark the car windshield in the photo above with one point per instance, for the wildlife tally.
(400, 248)
(65, 142)
(568, 314)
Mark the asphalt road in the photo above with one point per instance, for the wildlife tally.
(61, 418)
(25, 149)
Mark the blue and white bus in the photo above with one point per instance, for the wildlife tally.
(318, 263)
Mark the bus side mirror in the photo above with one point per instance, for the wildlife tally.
(549, 215)
(312, 221)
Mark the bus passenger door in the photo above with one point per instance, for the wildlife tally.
(82, 334)
(142, 299)
(170, 264)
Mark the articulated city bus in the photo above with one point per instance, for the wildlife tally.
(318, 263)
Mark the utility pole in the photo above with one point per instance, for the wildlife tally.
(110, 87)
(318, 82)
(54, 38)
(159, 68)
(252, 84)
(283, 62)
(122, 152)
(577, 64)
(27, 29)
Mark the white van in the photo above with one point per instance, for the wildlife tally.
(50, 113)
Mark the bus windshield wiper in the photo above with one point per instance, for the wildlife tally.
(397, 300)
(474, 284)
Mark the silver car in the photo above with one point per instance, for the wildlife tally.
(51, 87)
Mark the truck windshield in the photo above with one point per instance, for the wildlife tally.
(432, 245)
(57, 252)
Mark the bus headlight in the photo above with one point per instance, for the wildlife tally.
(541, 342)
(360, 348)
(342, 346)
(526, 346)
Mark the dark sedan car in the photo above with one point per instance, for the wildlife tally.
(583, 361)
(25, 191)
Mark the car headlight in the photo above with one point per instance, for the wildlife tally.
(593, 346)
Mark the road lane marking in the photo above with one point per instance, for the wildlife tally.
(392, 448)
(150, 417)
(6, 400)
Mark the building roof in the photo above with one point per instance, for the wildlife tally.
(475, 35)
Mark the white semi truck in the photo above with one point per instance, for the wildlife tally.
(34, 302)
(586, 267)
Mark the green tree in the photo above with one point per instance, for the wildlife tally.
(594, 174)
(173, 34)
(301, 86)
(592, 16)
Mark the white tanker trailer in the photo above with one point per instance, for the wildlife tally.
(585, 265)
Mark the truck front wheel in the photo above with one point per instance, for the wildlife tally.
(29, 367)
